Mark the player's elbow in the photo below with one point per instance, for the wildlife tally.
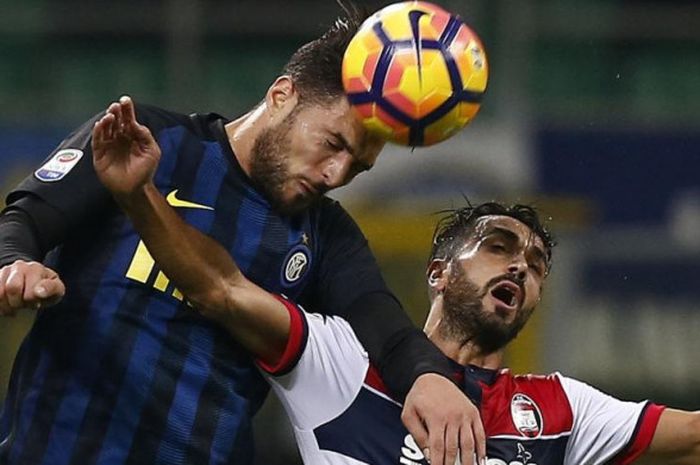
(208, 303)
(217, 302)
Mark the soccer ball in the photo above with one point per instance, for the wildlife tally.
(414, 73)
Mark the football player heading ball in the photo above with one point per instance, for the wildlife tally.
(120, 370)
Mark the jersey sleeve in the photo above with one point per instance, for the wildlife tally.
(606, 429)
(350, 284)
(347, 269)
(66, 180)
(321, 371)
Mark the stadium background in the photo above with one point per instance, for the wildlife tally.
(592, 113)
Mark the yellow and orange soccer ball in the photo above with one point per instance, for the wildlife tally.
(414, 73)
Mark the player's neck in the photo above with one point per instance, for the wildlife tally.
(467, 353)
(470, 354)
(242, 133)
(464, 353)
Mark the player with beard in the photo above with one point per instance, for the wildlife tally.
(485, 276)
(121, 371)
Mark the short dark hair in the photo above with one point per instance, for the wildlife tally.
(316, 67)
(457, 225)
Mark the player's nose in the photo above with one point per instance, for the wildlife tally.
(337, 169)
(518, 267)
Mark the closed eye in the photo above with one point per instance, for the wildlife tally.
(335, 146)
(498, 247)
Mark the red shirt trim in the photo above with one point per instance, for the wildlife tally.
(374, 380)
(296, 342)
(643, 436)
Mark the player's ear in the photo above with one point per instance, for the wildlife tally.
(437, 274)
(282, 96)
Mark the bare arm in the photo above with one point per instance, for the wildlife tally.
(125, 157)
(676, 440)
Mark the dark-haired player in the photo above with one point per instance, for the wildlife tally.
(120, 370)
(487, 268)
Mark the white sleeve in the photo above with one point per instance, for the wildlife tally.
(603, 425)
(328, 375)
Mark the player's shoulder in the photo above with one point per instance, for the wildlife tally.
(333, 216)
(547, 387)
(329, 206)
(334, 325)
(314, 320)
(146, 112)
(317, 339)
(158, 118)
(535, 379)
(534, 399)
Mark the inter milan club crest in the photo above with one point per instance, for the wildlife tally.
(526, 415)
(295, 265)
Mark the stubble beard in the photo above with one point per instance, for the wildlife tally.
(465, 320)
(269, 168)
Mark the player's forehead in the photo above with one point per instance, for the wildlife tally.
(507, 227)
(336, 118)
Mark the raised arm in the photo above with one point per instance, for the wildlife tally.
(125, 157)
(676, 440)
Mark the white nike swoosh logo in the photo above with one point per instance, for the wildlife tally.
(173, 201)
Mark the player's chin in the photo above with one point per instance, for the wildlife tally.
(297, 203)
(505, 314)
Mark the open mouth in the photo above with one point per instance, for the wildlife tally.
(508, 294)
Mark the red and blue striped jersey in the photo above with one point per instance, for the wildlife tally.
(342, 415)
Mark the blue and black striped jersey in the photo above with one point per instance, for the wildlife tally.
(123, 371)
